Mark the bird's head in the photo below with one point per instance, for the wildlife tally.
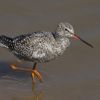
(66, 30)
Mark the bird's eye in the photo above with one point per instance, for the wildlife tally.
(66, 29)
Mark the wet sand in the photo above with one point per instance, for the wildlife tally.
(73, 76)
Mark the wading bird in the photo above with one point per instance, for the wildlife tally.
(39, 47)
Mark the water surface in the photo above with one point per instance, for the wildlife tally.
(73, 76)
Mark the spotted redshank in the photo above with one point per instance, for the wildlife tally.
(39, 47)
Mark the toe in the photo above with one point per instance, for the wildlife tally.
(13, 66)
(38, 75)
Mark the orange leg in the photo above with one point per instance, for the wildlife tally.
(34, 72)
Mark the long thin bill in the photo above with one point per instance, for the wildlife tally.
(76, 36)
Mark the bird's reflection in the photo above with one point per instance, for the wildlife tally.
(33, 92)
(36, 95)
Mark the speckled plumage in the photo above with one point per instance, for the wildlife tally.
(39, 46)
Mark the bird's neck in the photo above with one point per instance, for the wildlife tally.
(62, 43)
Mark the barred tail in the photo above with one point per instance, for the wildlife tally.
(6, 42)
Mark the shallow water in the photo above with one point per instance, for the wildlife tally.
(73, 76)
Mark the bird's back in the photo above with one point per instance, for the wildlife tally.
(37, 46)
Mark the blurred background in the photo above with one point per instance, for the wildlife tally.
(73, 76)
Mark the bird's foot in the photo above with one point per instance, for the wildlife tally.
(35, 73)
(13, 66)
